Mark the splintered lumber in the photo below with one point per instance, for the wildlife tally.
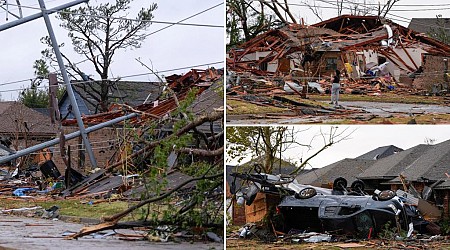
(111, 222)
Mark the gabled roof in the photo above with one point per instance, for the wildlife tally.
(426, 25)
(390, 167)
(128, 92)
(380, 152)
(422, 162)
(433, 164)
(16, 117)
(346, 168)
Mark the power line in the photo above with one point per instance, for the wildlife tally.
(399, 5)
(127, 19)
(201, 12)
(112, 79)
(406, 19)
(196, 14)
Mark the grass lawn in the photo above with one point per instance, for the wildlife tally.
(242, 107)
(70, 207)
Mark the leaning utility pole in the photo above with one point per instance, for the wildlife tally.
(70, 93)
(44, 13)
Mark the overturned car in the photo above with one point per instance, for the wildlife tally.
(338, 210)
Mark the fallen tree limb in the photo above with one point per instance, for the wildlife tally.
(198, 121)
(111, 222)
(201, 152)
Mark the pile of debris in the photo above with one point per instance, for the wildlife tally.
(126, 173)
(305, 213)
(374, 55)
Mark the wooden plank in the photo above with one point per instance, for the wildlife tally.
(409, 56)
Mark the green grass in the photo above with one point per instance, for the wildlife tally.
(242, 107)
(71, 207)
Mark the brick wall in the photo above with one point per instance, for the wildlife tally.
(433, 73)
(445, 203)
(103, 142)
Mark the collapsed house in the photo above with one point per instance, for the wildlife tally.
(113, 145)
(360, 46)
(142, 98)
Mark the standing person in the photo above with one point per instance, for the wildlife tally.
(335, 87)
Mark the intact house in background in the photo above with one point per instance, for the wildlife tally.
(123, 92)
(434, 27)
(421, 169)
(22, 127)
(358, 45)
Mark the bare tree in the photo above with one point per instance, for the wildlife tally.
(97, 33)
(281, 10)
(246, 18)
(268, 142)
(383, 11)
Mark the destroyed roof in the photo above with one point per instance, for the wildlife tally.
(341, 33)
(17, 118)
(200, 79)
(124, 92)
(380, 152)
(346, 168)
(356, 26)
(351, 24)
(427, 25)
(209, 100)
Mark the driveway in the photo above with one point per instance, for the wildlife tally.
(31, 233)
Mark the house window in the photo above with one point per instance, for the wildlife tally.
(331, 64)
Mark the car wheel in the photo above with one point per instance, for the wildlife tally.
(358, 186)
(340, 184)
(386, 195)
(306, 193)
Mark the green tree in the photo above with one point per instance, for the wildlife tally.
(264, 142)
(34, 96)
(97, 33)
(271, 142)
(440, 32)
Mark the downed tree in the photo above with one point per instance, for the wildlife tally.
(146, 150)
(111, 222)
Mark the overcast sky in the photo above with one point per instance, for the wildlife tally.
(175, 47)
(362, 139)
(401, 12)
